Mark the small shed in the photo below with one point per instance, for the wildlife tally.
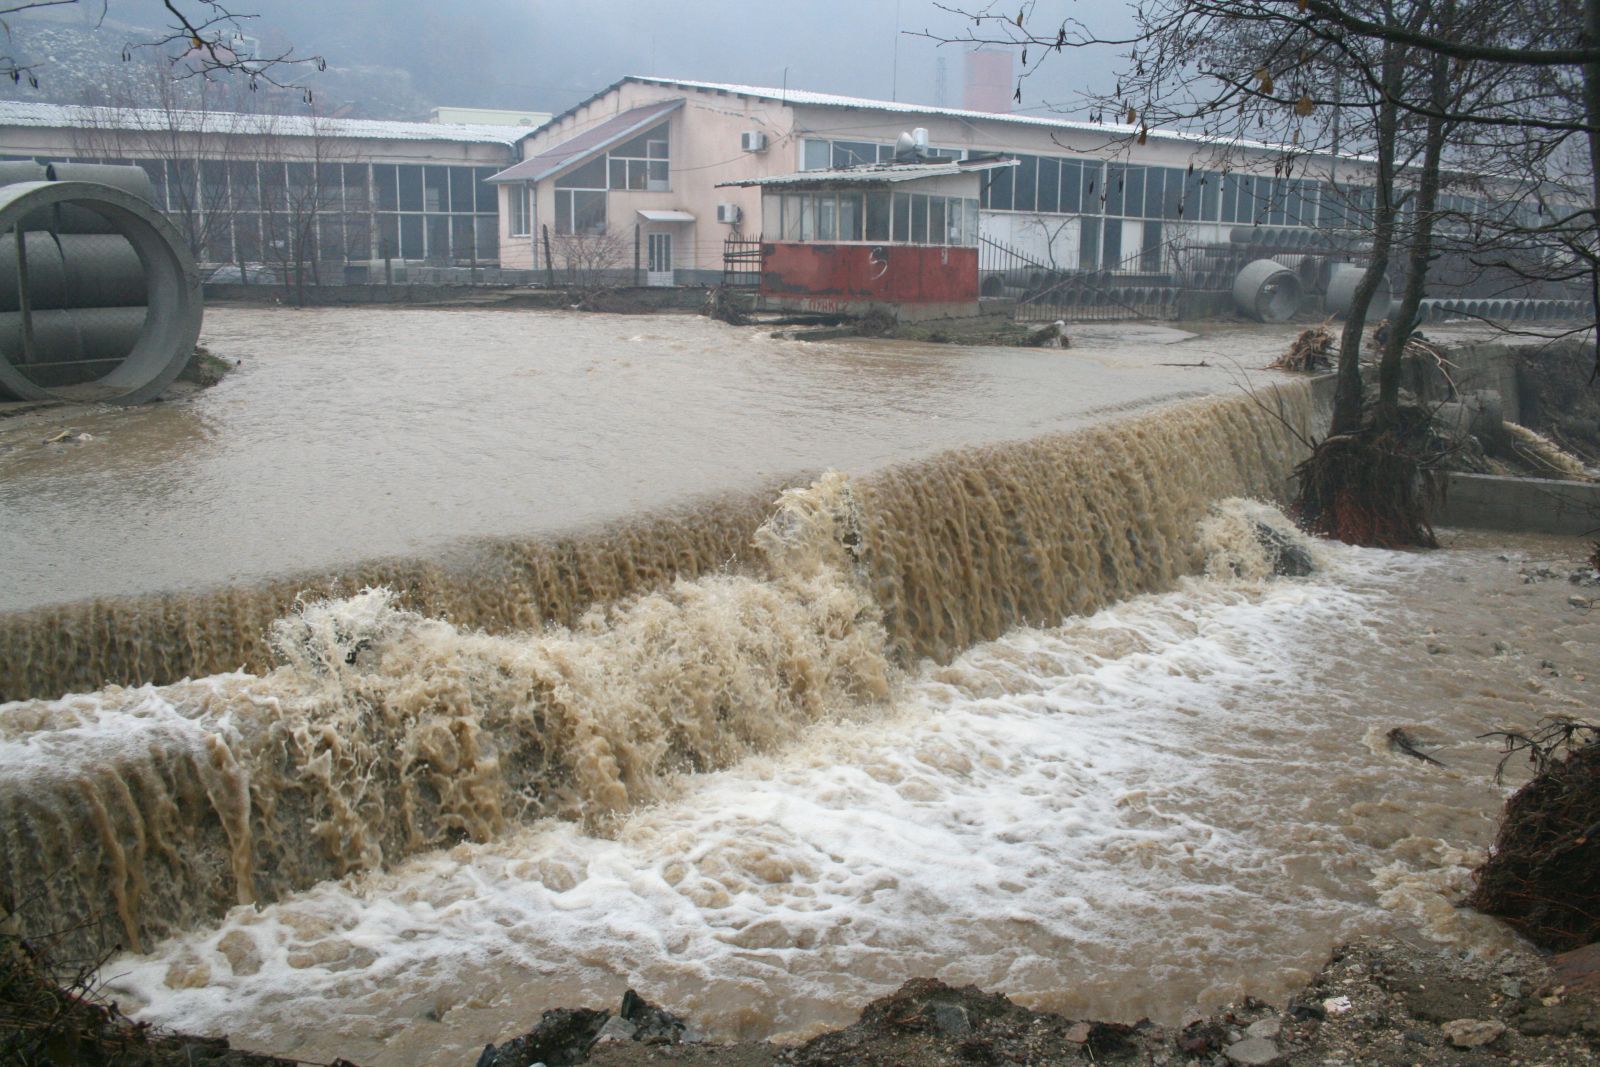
(900, 236)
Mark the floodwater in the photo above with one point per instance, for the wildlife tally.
(1182, 799)
(352, 434)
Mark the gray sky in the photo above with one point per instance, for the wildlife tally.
(548, 55)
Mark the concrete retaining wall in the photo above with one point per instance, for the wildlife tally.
(1520, 505)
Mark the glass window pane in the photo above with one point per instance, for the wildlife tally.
(388, 236)
(902, 217)
(936, 223)
(1154, 193)
(791, 217)
(592, 175)
(1228, 196)
(438, 235)
(969, 222)
(410, 187)
(358, 236)
(619, 173)
(588, 211)
(1111, 246)
(486, 193)
(808, 218)
(1150, 249)
(919, 218)
(1025, 187)
(849, 216)
(1089, 244)
(1172, 199)
(411, 237)
(1208, 195)
(878, 216)
(1071, 186)
(1000, 189)
(1049, 185)
(854, 153)
(1116, 182)
(657, 175)
(826, 227)
(817, 155)
(1133, 202)
(488, 238)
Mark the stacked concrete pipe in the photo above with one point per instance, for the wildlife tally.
(99, 298)
(1267, 291)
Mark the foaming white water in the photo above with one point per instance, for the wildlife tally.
(1164, 805)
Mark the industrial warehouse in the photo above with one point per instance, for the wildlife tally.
(666, 182)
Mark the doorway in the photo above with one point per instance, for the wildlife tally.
(658, 259)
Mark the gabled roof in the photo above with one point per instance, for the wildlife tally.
(155, 120)
(878, 173)
(590, 142)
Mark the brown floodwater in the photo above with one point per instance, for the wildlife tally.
(1181, 800)
(350, 434)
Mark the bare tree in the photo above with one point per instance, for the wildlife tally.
(196, 38)
(188, 135)
(592, 261)
(1421, 88)
(300, 162)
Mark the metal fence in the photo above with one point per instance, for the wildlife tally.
(741, 262)
(1044, 293)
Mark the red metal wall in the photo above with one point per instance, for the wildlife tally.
(894, 274)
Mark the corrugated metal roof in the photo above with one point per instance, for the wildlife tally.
(804, 98)
(595, 139)
(73, 116)
(878, 173)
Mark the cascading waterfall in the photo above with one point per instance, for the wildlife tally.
(385, 730)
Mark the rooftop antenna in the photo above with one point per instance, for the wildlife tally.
(783, 97)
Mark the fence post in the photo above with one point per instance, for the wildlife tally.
(549, 263)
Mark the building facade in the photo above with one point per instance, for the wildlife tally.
(648, 164)
(253, 189)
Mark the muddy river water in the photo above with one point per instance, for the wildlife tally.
(348, 434)
(1013, 700)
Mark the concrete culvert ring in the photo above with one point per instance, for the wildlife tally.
(162, 336)
(1268, 291)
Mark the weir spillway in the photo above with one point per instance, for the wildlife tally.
(384, 732)
(973, 713)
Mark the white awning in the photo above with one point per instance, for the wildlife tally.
(665, 216)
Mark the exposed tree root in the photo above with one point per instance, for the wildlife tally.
(1367, 488)
(1543, 876)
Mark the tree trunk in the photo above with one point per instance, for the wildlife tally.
(1347, 392)
(1401, 321)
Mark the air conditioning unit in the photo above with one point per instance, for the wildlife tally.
(729, 213)
(753, 141)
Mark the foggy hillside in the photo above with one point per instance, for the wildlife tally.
(392, 59)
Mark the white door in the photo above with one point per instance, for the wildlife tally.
(658, 259)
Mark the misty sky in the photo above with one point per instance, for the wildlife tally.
(547, 55)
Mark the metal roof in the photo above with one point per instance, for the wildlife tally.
(154, 120)
(590, 142)
(804, 98)
(879, 173)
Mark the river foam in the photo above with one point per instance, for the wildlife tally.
(1161, 806)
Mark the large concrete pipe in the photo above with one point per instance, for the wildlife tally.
(74, 218)
(1268, 291)
(73, 270)
(1342, 282)
(164, 342)
(135, 180)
